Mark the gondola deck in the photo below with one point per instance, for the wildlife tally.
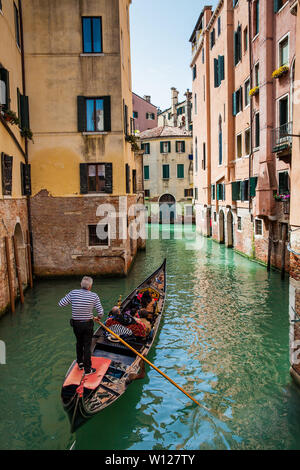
(81, 400)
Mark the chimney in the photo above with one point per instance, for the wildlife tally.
(147, 98)
(188, 96)
(175, 94)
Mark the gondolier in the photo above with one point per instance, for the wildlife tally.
(83, 302)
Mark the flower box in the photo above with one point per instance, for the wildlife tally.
(10, 116)
(281, 71)
(254, 91)
(281, 197)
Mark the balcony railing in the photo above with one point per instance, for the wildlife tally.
(282, 137)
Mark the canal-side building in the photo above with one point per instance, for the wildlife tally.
(14, 187)
(78, 73)
(144, 113)
(168, 170)
(179, 114)
(243, 62)
(294, 244)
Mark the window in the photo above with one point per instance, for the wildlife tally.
(7, 168)
(146, 148)
(219, 26)
(94, 114)
(146, 172)
(125, 117)
(92, 35)
(220, 142)
(196, 193)
(17, 25)
(204, 156)
(180, 171)
(135, 114)
(150, 116)
(284, 52)
(134, 181)
(165, 147)
(195, 103)
(239, 151)
(247, 90)
(244, 190)
(257, 130)
(96, 177)
(239, 223)
(166, 171)
(221, 192)
(284, 113)
(238, 45)
(247, 142)
(245, 39)
(147, 192)
(194, 72)
(219, 70)
(256, 74)
(283, 179)
(4, 89)
(256, 17)
(98, 237)
(169, 116)
(188, 192)
(258, 227)
(180, 146)
(0, 5)
(235, 2)
(212, 38)
(127, 178)
(278, 4)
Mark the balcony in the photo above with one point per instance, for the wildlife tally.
(282, 139)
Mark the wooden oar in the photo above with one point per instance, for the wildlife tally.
(150, 364)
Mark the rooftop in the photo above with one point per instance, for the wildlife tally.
(164, 131)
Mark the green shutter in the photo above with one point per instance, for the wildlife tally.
(166, 172)
(218, 193)
(276, 5)
(24, 112)
(169, 147)
(161, 147)
(180, 171)
(146, 172)
(127, 171)
(253, 184)
(81, 114)
(216, 73)
(221, 67)
(235, 191)
(25, 171)
(234, 107)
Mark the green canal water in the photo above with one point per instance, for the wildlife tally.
(224, 338)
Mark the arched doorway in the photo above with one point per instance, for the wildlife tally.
(229, 229)
(221, 227)
(167, 209)
(21, 247)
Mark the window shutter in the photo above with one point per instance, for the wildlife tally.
(235, 191)
(183, 146)
(283, 182)
(241, 99)
(127, 170)
(276, 5)
(161, 147)
(81, 114)
(253, 184)
(83, 178)
(242, 191)
(25, 179)
(180, 171)
(108, 178)
(221, 67)
(146, 172)
(7, 165)
(234, 107)
(169, 147)
(216, 73)
(107, 113)
(24, 111)
(220, 148)
(235, 48)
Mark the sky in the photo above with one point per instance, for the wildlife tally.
(160, 47)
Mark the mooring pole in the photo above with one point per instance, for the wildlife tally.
(284, 237)
(270, 246)
(19, 276)
(9, 275)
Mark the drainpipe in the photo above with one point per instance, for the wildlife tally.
(26, 140)
(251, 99)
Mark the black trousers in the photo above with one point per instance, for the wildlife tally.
(83, 331)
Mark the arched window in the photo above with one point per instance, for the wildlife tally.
(220, 142)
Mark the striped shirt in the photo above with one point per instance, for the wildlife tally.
(83, 302)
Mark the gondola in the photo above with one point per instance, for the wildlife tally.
(116, 364)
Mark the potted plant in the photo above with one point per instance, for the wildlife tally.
(27, 133)
(281, 197)
(281, 71)
(254, 91)
(10, 116)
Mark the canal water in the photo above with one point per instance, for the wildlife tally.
(224, 339)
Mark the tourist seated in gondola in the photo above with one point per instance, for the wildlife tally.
(124, 324)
